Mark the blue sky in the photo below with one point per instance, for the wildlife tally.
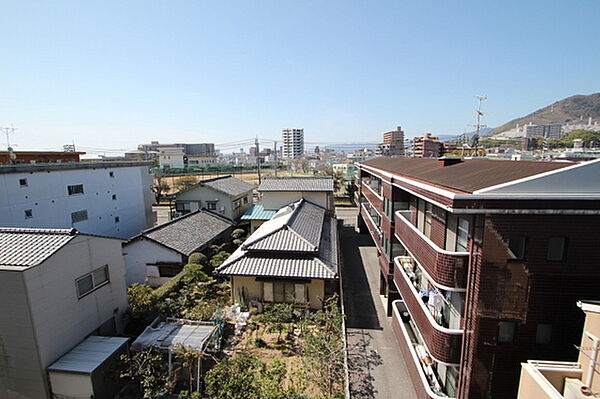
(112, 74)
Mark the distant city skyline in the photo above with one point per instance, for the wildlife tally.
(113, 75)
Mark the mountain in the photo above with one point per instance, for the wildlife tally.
(566, 110)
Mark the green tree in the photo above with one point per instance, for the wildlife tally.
(234, 378)
(160, 187)
(141, 301)
(185, 182)
(148, 370)
(197, 258)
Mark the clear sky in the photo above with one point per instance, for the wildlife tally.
(112, 74)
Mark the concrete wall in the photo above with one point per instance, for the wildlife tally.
(21, 374)
(141, 254)
(253, 290)
(199, 195)
(47, 196)
(276, 200)
(592, 325)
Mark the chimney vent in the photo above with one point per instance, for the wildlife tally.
(447, 161)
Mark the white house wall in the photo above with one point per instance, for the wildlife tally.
(277, 200)
(198, 196)
(47, 196)
(140, 253)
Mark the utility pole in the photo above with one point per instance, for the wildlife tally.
(276, 162)
(257, 158)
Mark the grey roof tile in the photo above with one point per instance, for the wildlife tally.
(229, 185)
(23, 247)
(188, 233)
(297, 184)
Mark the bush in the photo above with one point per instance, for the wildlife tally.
(197, 258)
(141, 300)
(218, 259)
(259, 343)
(238, 233)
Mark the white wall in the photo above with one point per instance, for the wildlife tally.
(199, 195)
(46, 195)
(61, 320)
(141, 252)
(279, 199)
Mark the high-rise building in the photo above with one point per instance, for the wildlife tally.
(481, 262)
(293, 143)
(551, 131)
(428, 146)
(393, 142)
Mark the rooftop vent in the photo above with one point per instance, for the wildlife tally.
(447, 161)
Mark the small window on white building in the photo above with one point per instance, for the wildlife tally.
(91, 281)
(23, 182)
(111, 174)
(117, 219)
(85, 285)
(79, 216)
(114, 197)
(211, 205)
(75, 189)
(28, 213)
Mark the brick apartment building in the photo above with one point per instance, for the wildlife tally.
(428, 146)
(482, 262)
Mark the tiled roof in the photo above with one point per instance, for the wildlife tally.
(229, 185)
(297, 184)
(466, 176)
(22, 247)
(188, 233)
(300, 241)
(258, 212)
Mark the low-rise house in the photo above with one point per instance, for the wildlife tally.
(159, 253)
(257, 215)
(57, 286)
(225, 195)
(277, 192)
(292, 258)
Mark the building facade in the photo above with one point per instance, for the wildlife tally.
(428, 146)
(57, 286)
(393, 143)
(109, 198)
(551, 131)
(293, 143)
(481, 262)
(20, 157)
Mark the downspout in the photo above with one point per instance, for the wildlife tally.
(592, 368)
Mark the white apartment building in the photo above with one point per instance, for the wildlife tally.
(293, 143)
(104, 198)
(57, 287)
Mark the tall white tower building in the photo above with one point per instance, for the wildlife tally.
(293, 143)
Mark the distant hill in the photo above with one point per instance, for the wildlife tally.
(566, 110)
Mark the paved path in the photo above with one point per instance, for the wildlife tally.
(377, 368)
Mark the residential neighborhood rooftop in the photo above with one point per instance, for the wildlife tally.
(299, 242)
(88, 355)
(296, 184)
(226, 184)
(467, 175)
(258, 212)
(45, 167)
(187, 233)
(26, 247)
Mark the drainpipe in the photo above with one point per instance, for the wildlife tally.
(593, 357)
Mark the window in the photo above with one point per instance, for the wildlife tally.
(236, 204)
(117, 220)
(114, 197)
(462, 235)
(91, 281)
(284, 292)
(516, 246)
(75, 189)
(111, 174)
(245, 200)
(23, 182)
(211, 205)
(506, 332)
(543, 335)
(556, 249)
(428, 217)
(79, 216)
(28, 213)
(183, 207)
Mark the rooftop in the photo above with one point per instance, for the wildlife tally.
(467, 176)
(300, 241)
(188, 233)
(226, 184)
(175, 332)
(23, 247)
(296, 184)
(258, 212)
(45, 167)
(88, 355)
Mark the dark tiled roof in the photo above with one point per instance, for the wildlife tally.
(22, 247)
(467, 176)
(300, 241)
(296, 184)
(229, 185)
(188, 233)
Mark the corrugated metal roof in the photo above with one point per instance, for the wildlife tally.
(297, 184)
(258, 212)
(467, 176)
(88, 355)
(23, 247)
(188, 233)
(173, 333)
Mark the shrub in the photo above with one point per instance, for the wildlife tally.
(197, 258)
(141, 301)
(238, 233)
(259, 343)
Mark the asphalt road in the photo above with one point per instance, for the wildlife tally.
(377, 368)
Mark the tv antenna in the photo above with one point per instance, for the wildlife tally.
(478, 126)
(8, 131)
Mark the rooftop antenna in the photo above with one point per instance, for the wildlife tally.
(8, 131)
(479, 125)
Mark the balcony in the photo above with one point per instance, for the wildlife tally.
(373, 195)
(551, 380)
(372, 225)
(446, 268)
(421, 367)
(443, 343)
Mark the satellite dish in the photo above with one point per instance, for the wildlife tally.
(13, 156)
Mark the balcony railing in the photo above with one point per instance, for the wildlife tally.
(372, 195)
(443, 343)
(371, 224)
(447, 268)
(415, 355)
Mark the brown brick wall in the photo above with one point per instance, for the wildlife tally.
(373, 199)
